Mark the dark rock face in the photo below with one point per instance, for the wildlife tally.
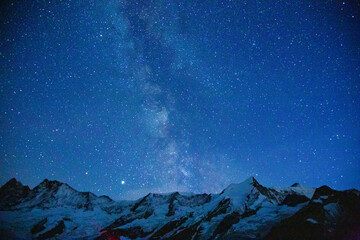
(220, 209)
(12, 193)
(173, 198)
(168, 227)
(58, 229)
(130, 218)
(249, 212)
(136, 205)
(268, 192)
(186, 232)
(226, 224)
(330, 215)
(293, 199)
(38, 227)
(297, 226)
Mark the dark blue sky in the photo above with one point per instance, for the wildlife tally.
(170, 96)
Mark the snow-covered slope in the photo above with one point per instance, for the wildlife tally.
(50, 194)
(246, 210)
(53, 208)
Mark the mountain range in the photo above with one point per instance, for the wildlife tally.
(248, 210)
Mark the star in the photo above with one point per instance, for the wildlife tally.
(175, 102)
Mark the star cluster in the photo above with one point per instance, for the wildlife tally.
(127, 97)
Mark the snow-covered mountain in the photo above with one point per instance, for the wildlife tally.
(246, 210)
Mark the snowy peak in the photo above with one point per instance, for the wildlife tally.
(242, 195)
(299, 189)
(246, 210)
(240, 207)
(251, 180)
(53, 189)
(239, 189)
(251, 190)
(249, 183)
(50, 194)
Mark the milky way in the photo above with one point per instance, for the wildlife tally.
(125, 98)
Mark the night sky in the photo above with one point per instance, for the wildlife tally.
(125, 98)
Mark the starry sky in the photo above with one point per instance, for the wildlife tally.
(128, 97)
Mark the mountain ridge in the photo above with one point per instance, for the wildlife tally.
(46, 180)
(246, 210)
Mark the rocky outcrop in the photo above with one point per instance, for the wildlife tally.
(329, 215)
(12, 193)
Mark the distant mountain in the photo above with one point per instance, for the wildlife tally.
(246, 210)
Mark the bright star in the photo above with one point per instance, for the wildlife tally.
(122, 182)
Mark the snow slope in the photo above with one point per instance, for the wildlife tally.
(245, 210)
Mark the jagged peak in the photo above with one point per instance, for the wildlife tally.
(13, 183)
(52, 182)
(52, 185)
(13, 180)
(239, 192)
(49, 183)
(249, 181)
(246, 185)
(324, 189)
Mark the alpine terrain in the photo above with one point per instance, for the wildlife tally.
(248, 210)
